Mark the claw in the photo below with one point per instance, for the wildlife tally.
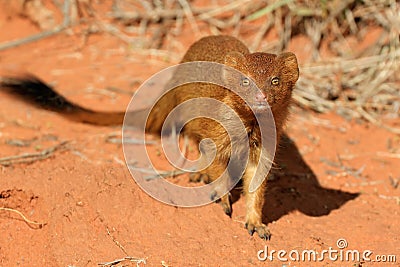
(262, 230)
(227, 209)
(250, 228)
(226, 203)
(264, 234)
(250, 231)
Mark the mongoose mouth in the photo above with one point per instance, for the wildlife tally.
(260, 107)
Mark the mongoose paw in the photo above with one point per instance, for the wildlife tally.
(227, 209)
(225, 202)
(261, 229)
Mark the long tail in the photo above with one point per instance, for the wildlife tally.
(37, 92)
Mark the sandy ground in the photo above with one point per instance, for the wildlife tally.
(337, 181)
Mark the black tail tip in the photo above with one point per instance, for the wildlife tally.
(34, 90)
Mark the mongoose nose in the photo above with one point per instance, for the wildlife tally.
(260, 97)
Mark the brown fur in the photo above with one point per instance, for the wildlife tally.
(261, 67)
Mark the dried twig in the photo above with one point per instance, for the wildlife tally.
(388, 155)
(29, 222)
(156, 174)
(116, 241)
(32, 157)
(114, 139)
(65, 24)
(31, 38)
(165, 174)
(189, 14)
(128, 258)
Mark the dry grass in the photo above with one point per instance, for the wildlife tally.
(355, 84)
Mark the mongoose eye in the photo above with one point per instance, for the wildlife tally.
(275, 81)
(245, 82)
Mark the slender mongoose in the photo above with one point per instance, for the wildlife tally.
(275, 75)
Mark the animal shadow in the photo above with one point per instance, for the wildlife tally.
(294, 186)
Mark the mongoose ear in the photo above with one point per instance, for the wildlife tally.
(234, 59)
(291, 68)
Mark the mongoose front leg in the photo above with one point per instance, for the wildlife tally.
(210, 174)
(214, 172)
(254, 205)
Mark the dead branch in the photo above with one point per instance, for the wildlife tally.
(29, 222)
(32, 157)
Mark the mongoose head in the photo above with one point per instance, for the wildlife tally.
(274, 75)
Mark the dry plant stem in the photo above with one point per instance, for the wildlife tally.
(116, 241)
(128, 258)
(334, 65)
(32, 38)
(260, 34)
(159, 35)
(216, 11)
(65, 24)
(279, 28)
(374, 121)
(189, 14)
(116, 138)
(388, 155)
(223, 24)
(369, 76)
(155, 15)
(288, 30)
(29, 222)
(268, 8)
(31, 157)
(106, 27)
(164, 174)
